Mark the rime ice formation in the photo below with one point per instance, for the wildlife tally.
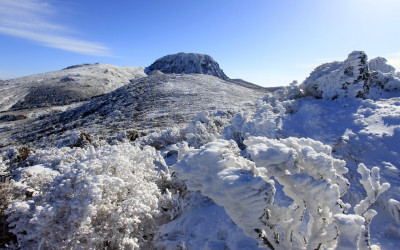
(106, 198)
(187, 63)
(310, 176)
(231, 181)
(340, 79)
(354, 77)
(380, 64)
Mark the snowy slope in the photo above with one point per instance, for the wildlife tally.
(146, 104)
(73, 84)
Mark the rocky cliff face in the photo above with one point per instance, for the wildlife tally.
(187, 63)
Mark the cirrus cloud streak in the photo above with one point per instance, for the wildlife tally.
(30, 19)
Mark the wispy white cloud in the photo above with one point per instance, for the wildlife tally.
(31, 19)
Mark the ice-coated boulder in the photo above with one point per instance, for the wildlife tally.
(354, 77)
(340, 79)
(187, 63)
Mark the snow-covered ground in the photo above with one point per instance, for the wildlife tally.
(147, 104)
(311, 166)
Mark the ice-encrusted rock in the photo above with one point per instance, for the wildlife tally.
(187, 63)
(380, 64)
(340, 79)
(384, 81)
(354, 77)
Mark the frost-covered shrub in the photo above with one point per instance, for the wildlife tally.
(15, 156)
(8, 194)
(394, 209)
(312, 178)
(106, 198)
(383, 81)
(218, 171)
(205, 127)
(202, 129)
(266, 121)
(380, 64)
(80, 139)
(312, 181)
(292, 91)
(370, 180)
(161, 139)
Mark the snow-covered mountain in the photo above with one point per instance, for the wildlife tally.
(192, 161)
(187, 63)
(73, 84)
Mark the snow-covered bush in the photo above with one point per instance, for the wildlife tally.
(292, 91)
(107, 198)
(380, 64)
(266, 121)
(370, 180)
(312, 181)
(203, 129)
(394, 209)
(218, 171)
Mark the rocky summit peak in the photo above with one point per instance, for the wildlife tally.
(187, 63)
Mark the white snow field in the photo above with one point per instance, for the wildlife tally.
(192, 161)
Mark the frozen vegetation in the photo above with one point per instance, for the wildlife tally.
(192, 161)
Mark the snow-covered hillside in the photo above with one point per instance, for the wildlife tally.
(147, 104)
(73, 84)
(310, 166)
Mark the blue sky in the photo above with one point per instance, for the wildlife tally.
(268, 42)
